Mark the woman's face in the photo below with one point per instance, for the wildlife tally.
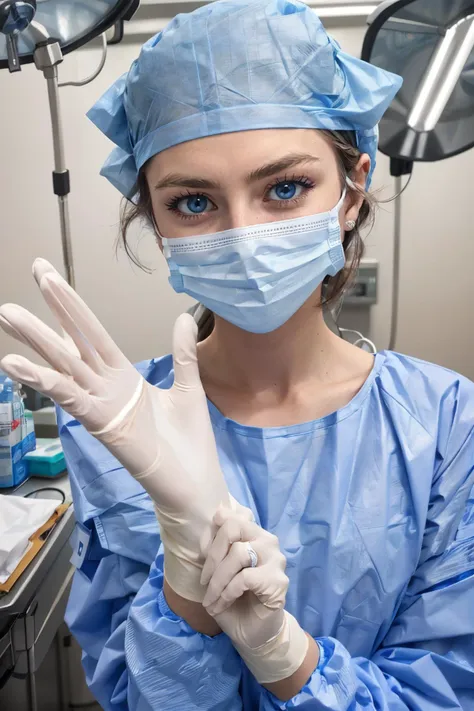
(248, 178)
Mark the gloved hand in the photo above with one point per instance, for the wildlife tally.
(248, 602)
(164, 438)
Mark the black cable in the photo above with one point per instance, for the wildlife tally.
(399, 194)
(47, 488)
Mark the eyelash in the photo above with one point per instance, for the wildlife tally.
(301, 180)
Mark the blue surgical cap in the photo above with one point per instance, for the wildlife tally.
(238, 65)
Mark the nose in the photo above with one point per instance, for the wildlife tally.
(243, 214)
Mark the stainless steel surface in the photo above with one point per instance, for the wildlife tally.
(66, 240)
(31, 680)
(396, 265)
(47, 59)
(52, 679)
(60, 665)
(38, 33)
(32, 612)
(365, 288)
(60, 167)
(56, 123)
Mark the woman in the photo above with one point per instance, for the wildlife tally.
(298, 451)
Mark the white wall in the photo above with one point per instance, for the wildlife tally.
(139, 310)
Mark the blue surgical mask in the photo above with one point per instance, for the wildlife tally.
(258, 277)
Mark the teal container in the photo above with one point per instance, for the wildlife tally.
(47, 459)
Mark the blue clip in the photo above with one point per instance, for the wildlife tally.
(79, 540)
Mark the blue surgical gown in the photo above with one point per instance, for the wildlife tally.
(374, 510)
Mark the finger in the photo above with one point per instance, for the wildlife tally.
(31, 331)
(75, 316)
(233, 530)
(224, 513)
(60, 388)
(235, 589)
(40, 268)
(268, 584)
(186, 368)
(236, 559)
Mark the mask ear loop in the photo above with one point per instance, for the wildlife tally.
(160, 237)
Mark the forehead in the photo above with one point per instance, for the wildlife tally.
(240, 152)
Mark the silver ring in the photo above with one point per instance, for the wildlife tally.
(253, 556)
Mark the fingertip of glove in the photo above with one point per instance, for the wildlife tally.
(185, 336)
(187, 323)
(18, 368)
(44, 272)
(8, 312)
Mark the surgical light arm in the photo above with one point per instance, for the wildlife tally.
(47, 57)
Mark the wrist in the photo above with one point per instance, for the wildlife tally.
(191, 612)
(184, 560)
(280, 657)
(183, 575)
(286, 689)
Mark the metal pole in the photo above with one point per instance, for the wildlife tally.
(61, 174)
(33, 700)
(396, 263)
(47, 56)
(62, 688)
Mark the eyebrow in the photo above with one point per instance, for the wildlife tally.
(175, 180)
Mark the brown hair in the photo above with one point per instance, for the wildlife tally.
(348, 155)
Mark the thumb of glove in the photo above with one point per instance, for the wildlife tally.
(186, 368)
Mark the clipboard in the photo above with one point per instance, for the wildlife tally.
(37, 539)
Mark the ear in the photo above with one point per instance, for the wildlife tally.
(355, 199)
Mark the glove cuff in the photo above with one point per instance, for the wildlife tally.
(184, 575)
(281, 656)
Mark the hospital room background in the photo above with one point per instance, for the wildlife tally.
(138, 309)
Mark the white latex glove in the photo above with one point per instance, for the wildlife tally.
(164, 438)
(248, 603)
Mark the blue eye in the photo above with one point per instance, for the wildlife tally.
(194, 205)
(288, 190)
